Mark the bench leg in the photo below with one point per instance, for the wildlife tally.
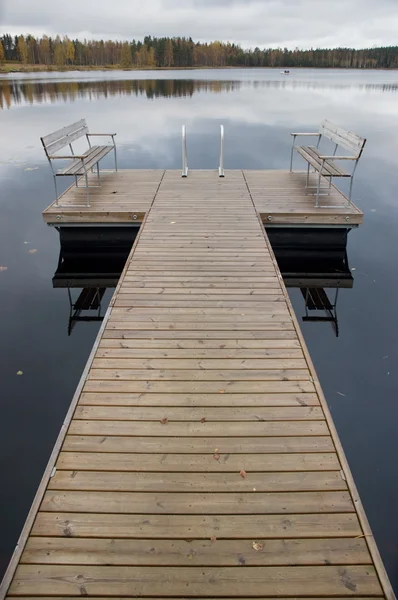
(114, 150)
(350, 191)
(98, 174)
(318, 188)
(308, 176)
(56, 190)
(88, 191)
(291, 159)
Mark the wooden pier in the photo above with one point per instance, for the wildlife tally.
(279, 197)
(198, 458)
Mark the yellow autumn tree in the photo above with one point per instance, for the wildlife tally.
(126, 58)
(44, 50)
(2, 53)
(59, 52)
(22, 50)
(69, 51)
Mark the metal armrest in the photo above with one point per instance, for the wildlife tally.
(102, 134)
(70, 156)
(334, 157)
(306, 134)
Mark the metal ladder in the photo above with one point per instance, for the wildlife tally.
(184, 173)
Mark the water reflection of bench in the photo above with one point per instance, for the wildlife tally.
(89, 299)
(80, 165)
(316, 299)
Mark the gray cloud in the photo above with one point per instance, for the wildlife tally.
(291, 23)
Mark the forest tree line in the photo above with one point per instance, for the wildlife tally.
(182, 52)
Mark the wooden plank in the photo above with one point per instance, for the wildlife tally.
(182, 428)
(305, 481)
(200, 387)
(206, 463)
(190, 413)
(220, 344)
(51, 524)
(179, 353)
(193, 445)
(197, 400)
(211, 582)
(206, 364)
(161, 375)
(86, 551)
(197, 503)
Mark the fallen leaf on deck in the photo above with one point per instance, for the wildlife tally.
(172, 222)
(258, 546)
(213, 539)
(33, 251)
(221, 391)
(254, 490)
(203, 420)
(164, 421)
(216, 456)
(3, 269)
(216, 450)
(243, 473)
(19, 372)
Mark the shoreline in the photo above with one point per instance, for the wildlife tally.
(11, 68)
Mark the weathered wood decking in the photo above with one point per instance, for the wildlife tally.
(200, 459)
(280, 197)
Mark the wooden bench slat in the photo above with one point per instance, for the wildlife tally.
(311, 155)
(338, 135)
(63, 132)
(66, 140)
(97, 153)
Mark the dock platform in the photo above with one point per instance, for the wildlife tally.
(198, 458)
(280, 197)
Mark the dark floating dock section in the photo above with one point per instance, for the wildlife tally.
(198, 458)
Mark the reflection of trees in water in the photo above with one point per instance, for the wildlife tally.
(17, 92)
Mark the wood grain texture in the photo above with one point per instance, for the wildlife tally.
(199, 462)
(279, 194)
(345, 581)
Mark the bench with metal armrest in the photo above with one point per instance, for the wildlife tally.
(80, 164)
(327, 165)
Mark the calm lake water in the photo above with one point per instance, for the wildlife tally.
(358, 370)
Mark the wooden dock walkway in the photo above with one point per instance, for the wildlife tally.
(280, 198)
(198, 458)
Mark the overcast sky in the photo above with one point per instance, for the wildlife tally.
(263, 23)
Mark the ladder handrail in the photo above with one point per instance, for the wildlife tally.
(184, 153)
(221, 167)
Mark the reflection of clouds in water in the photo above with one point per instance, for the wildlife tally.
(147, 114)
(19, 92)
